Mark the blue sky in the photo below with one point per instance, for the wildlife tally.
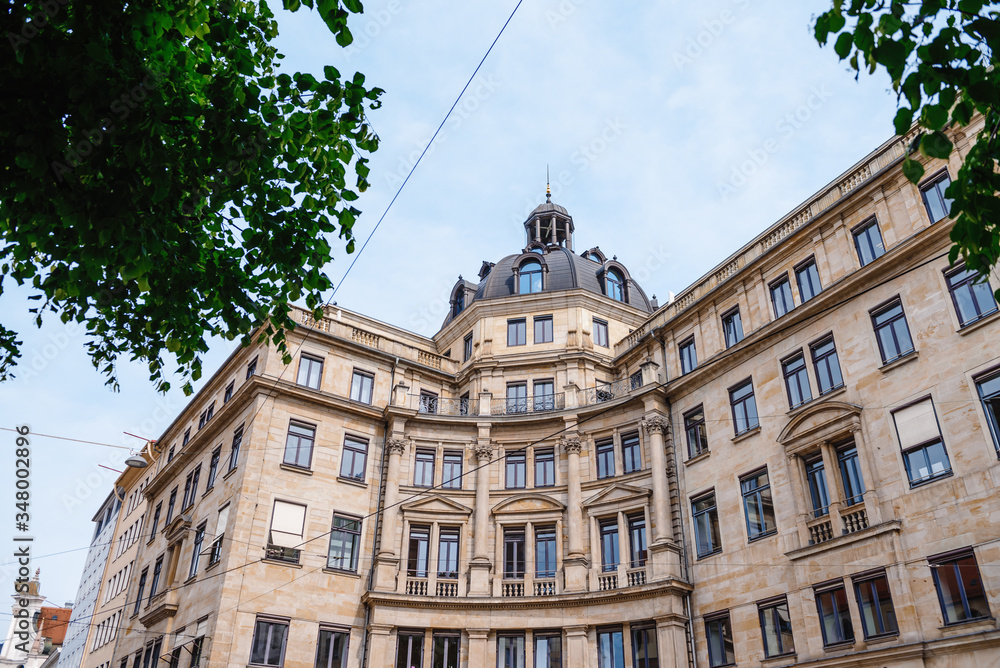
(674, 132)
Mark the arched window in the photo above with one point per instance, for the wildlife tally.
(616, 286)
(459, 304)
(530, 277)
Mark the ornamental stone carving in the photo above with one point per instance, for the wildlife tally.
(571, 445)
(484, 451)
(656, 424)
(396, 446)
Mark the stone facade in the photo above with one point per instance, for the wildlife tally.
(561, 478)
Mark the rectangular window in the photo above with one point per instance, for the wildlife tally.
(513, 553)
(816, 477)
(609, 544)
(345, 543)
(251, 368)
(868, 242)
(807, 277)
(548, 650)
(544, 397)
(361, 386)
(448, 553)
(416, 562)
(938, 206)
(605, 458)
(139, 591)
(467, 347)
(171, 502)
(610, 648)
(689, 356)
(299, 445)
(631, 453)
(428, 402)
(732, 327)
(423, 468)
(543, 329)
(288, 523)
(891, 331)
(834, 615)
(757, 504)
(410, 649)
(719, 634)
(707, 537)
(229, 392)
(920, 438)
(796, 380)
(850, 472)
(972, 297)
(878, 617)
(187, 437)
(268, 647)
(635, 380)
(781, 296)
(515, 465)
(310, 371)
(196, 546)
(234, 453)
(194, 476)
(154, 585)
(600, 333)
(156, 521)
(826, 365)
(694, 429)
(517, 332)
(988, 388)
(637, 540)
(776, 628)
(510, 651)
(213, 468)
(445, 650)
(959, 587)
(744, 407)
(644, 650)
(215, 552)
(545, 467)
(355, 456)
(517, 398)
(451, 473)
(463, 404)
(331, 650)
(545, 552)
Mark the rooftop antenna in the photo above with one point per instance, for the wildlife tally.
(548, 188)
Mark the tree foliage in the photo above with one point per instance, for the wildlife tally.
(163, 182)
(941, 57)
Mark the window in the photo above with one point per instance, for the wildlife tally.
(694, 428)
(510, 651)
(152, 657)
(807, 277)
(635, 380)
(517, 398)
(609, 544)
(234, 454)
(989, 393)
(543, 329)
(707, 537)
(229, 392)
(545, 467)
(187, 437)
(600, 333)
(310, 371)
(776, 628)
(826, 365)
(288, 523)
(781, 296)
(516, 332)
(299, 444)
(544, 398)
(878, 617)
(213, 467)
(410, 649)
(463, 404)
(631, 455)
(428, 402)
(973, 297)
(139, 591)
(938, 206)
(637, 540)
(732, 327)
(355, 455)
(757, 504)
(191, 487)
(644, 651)
(834, 615)
(605, 458)
(170, 456)
(445, 650)
(154, 585)
(448, 553)
(251, 368)
(451, 474)
(920, 438)
(467, 347)
(361, 386)
(719, 634)
(615, 285)
(196, 646)
(156, 521)
(515, 469)
(868, 242)
(796, 380)
(891, 331)
(610, 648)
(530, 277)
(331, 650)
(959, 587)
(416, 562)
(513, 553)
(171, 502)
(816, 477)
(423, 468)
(215, 551)
(850, 471)
(345, 543)
(268, 648)
(459, 303)
(548, 650)
(689, 356)
(199, 542)
(545, 552)
(744, 407)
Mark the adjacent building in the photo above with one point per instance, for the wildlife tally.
(36, 633)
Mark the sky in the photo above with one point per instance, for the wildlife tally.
(674, 133)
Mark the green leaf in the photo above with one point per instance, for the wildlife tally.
(903, 120)
(935, 145)
(912, 170)
(844, 44)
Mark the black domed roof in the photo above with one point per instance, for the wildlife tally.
(548, 207)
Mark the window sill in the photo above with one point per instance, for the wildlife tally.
(899, 361)
(840, 389)
(762, 536)
(984, 622)
(341, 571)
(832, 391)
(698, 457)
(191, 579)
(295, 469)
(208, 491)
(839, 647)
(279, 562)
(773, 660)
(213, 566)
(231, 471)
(878, 640)
(352, 481)
(711, 554)
(749, 433)
(976, 324)
(927, 481)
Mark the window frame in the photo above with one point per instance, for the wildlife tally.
(732, 321)
(868, 580)
(548, 332)
(333, 631)
(638, 540)
(743, 401)
(700, 426)
(822, 360)
(990, 403)
(355, 452)
(862, 229)
(774, 605)
(271, 623)
(936, 562)
(362, 376)
(615, 287)
(453, 482)
(352, 536)
(213, 467)
(647, 632)
(451, 645)
(840, 610)
(782, 287)
(607, 532)
(313, 361)
(801, 376)
(712, 513)
(923, 446)
(631, 452)
(802, 269)
(600, 333)
(300, 439)
(546, 457)
(688, 355)
(455, 533)
(604, 455)
(514, 559)
(516, 462)
(757, 493)
(234, 452)
(932, 183)
(546, 534)
(724, 631)
(517, 332)
(530, 275)
(467, 347)
(421, 458)
(418, 534)
(968, 282)
(884, 309)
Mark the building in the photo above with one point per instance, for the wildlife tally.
(36, 632)
(794, 462)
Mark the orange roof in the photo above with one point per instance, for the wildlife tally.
(53, 623)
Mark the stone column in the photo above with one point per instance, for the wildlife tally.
(577, 653)
(380, 652)
(478, 640)
(832, 489)
(873, 505)
(575, 565)
(479, 567)
(387, 560)
(671, 641)
(664, 552)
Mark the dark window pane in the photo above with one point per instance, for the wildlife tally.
(807, 276)
(868, 242)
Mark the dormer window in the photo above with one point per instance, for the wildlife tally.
(459, 303)
(530, 277)
(615, 285)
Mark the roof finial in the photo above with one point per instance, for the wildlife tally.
(548, 189)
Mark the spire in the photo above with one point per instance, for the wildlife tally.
(548, 188)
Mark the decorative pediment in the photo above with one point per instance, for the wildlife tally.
(528, 504)
(435, 504)
(617, 496)
(820, 422)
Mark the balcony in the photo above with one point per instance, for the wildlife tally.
(619, 577)
(433, 405)
(591, 396)
(540, 403)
